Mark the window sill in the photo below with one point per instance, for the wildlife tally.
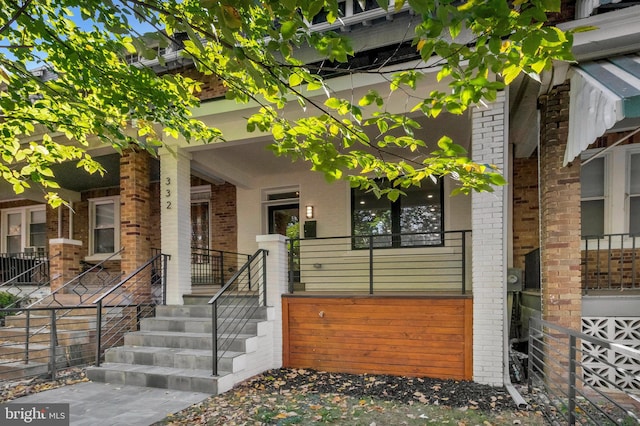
(100, 257)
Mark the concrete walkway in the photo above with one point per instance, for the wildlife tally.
(94, 404)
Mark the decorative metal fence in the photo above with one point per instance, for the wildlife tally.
(566, 386)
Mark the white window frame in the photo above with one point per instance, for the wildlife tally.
(617, 172)
(25, 213)
(93, 202)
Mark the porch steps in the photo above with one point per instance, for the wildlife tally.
(174, 349)
(75, 331)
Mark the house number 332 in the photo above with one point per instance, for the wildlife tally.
(167, 193)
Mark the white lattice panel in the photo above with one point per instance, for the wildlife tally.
(622, 330)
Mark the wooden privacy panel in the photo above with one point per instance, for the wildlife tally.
(408, 336)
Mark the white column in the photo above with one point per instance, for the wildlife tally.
(175, 220)
(489, 238)
(276, 286)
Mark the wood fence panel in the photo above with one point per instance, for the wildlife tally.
(414, 336)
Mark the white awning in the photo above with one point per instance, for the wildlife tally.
(602, 94)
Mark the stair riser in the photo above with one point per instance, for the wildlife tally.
(124, 355)
(64, 323)
(157, 324)
(22, 371)
(199, 311)
(19, 354)
(64, 338)
(184, 342)
(135, 378)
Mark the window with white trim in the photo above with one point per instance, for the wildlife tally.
(610, 191)
(592, 197)
(104, 226)
(24, 229)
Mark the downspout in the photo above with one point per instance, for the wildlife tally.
(515, 395)
(71, 214)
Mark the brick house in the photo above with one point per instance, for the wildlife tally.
(444, 292)
(574, 209)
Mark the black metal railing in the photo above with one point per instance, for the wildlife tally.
(44, 341)
(434, 261)
(561, 377)
(92, 281)
(214, 267)
(25, 286)
(121, 308)
(611, 262)
(24, 268)
(235, 303)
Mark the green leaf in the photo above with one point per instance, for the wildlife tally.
(288, 29)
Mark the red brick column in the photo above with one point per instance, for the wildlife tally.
(560, 221)
(560, 242)
(64, 261)
(135, 210)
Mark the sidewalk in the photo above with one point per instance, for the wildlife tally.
(94, 404)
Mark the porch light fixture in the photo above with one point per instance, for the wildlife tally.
(309, 209)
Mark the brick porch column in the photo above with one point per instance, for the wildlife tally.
(175, 218)
(135, 210)
(64, 261)
(560, 216)
(489, 225)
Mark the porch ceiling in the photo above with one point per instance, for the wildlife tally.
(244, 162)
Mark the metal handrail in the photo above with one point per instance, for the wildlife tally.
(12, 283)
(54, 339)
(558, 364)
(215, 259)
(381, 260)
(144, 301)
(243, 280)
(599, 269)
(78, 280)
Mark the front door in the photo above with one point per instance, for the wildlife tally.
(285, 220)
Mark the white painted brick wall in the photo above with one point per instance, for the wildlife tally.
(175, 222)
(489, 257)
(276, 286)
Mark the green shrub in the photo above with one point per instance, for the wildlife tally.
(7, 300)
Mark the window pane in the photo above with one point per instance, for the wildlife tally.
(371, 216)
(634, 179)
(104, 215)
(38, 216)
(592, 217)
(634, 215)
(14, 244)
(14, 222)
(103, 240)
(421, 214)
(592, 179)
(38, 234)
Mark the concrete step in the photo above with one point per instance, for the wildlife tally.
(202, 325)
(160, 377)
(65, 337)
(66, 323)
(20, 370)
(205, 311)
(196, 359)
(183, 340)
(17, 351)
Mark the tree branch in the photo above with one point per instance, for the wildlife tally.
(19, 12)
